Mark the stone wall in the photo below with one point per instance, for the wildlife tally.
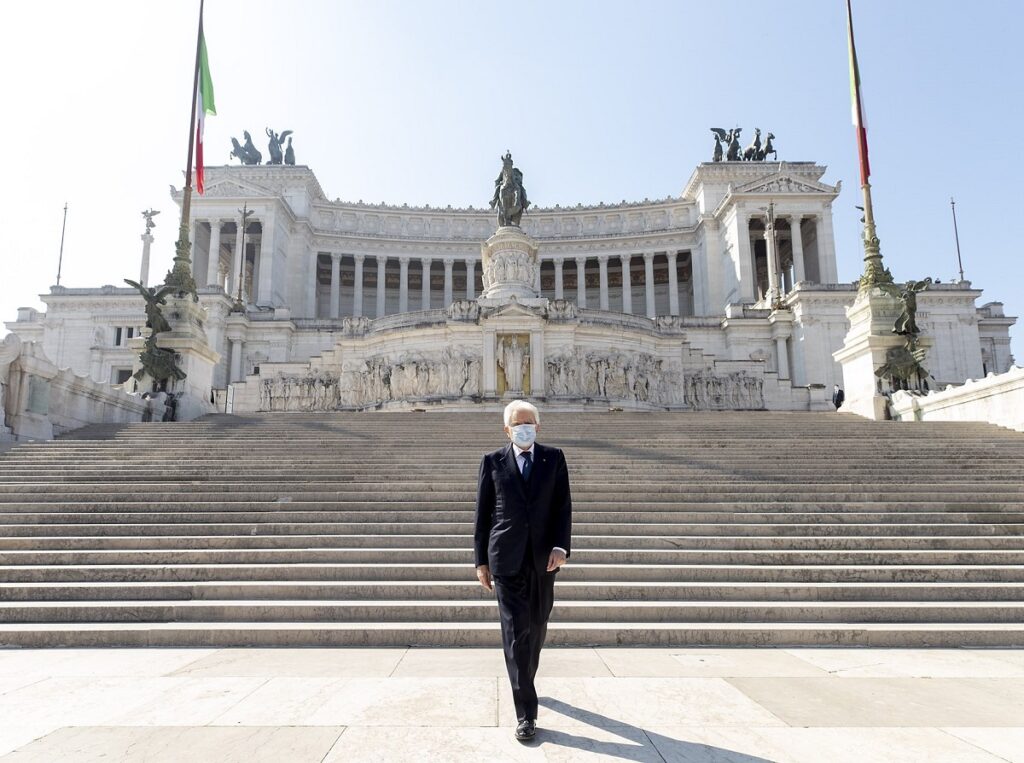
(39, 401)
(997, 399)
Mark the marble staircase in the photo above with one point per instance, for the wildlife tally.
(354, 529)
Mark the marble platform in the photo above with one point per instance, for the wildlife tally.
(723, 705)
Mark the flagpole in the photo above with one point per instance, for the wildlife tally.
(875, 272)
(956, 234)
(180, 275)
(64, 225)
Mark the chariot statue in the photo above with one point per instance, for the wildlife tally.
(274, 147)
(509, 194)
(246, 153)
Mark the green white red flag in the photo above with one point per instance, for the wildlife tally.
(204, 106)
(857, 103)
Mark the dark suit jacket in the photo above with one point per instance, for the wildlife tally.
(515, 517)
(838, 398)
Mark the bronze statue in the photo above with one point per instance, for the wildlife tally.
(903, 367)
(247, 154)
(717, 155)
(149, 214)
(289, 153)
(274, 147)
(509, 194)
(154, 299)
(906, 321)
(159, 364)
(753, 151)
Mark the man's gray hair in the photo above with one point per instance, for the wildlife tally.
(520, 405)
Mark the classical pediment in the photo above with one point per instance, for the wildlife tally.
(220, 189)
(784, 183)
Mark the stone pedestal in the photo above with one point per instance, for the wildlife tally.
(511, 269)
(10, 348)
(870, 337)
(187, 338)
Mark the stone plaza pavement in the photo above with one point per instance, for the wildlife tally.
(431, 704)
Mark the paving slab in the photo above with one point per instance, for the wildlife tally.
(625, 662)
(911, 663)
(173, 745)
(888, 702)
(317, 663)
(672, 704)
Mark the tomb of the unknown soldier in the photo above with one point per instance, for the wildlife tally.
(325, 489)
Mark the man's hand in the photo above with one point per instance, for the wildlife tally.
(555, 560)
(483, 574)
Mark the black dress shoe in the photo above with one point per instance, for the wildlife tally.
(526, 730)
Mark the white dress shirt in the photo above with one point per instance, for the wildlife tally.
(520, 462)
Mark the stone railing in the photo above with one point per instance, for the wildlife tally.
(997, 399)
(39, 401)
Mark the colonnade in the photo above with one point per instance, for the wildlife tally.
(210, 270)
(354, 303)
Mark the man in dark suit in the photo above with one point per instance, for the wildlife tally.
(838, 397)
(522, 537)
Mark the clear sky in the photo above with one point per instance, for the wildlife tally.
(413, 102)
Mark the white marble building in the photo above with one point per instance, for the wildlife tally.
(677, 293)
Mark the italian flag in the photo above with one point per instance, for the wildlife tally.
(204, 106)
(857, 101)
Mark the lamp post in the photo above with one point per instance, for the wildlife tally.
(239, 306)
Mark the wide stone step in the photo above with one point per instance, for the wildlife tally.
(580, 541)
(678, 612)
(606, 529)
(465, 555)
(576, 572)
(225, 634)
(470, 589)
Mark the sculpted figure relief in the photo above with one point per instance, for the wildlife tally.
(450, 374)
(616, 376)
(706, 391)
(513, 357)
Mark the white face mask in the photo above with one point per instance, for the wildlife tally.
(523, 435)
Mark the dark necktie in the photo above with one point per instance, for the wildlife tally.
(527, 464)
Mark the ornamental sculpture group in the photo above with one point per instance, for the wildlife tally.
(248, 154)
(727, 146)
(903, 368)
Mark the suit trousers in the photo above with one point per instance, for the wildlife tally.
(524, 605)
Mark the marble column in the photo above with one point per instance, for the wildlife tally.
(403, 285)
(213, 261)
(313, 286)
(799, 274)
(449, 263)
(470, 279)
(559, 290)
(254, 291)
(382, 272)
(536, 280)
(673, 284)
(581, 282)
(335, 285)
(236, 267)
(147, 241)
(827, 248)
(602, 263)
(627, 284)
(649, 284)
(425, 284)
(745, 258)
(357, 286)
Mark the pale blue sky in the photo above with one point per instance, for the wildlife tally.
(413, 102)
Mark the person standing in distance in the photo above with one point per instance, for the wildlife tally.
(838, 397)
(522, 537)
